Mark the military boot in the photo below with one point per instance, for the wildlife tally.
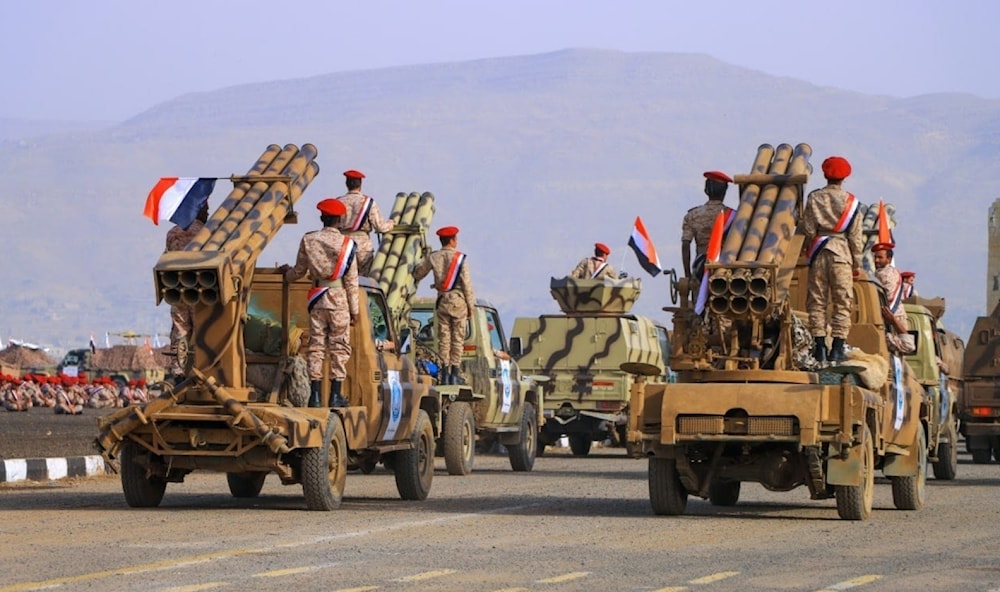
(456, 378)
(819, 350)
(837, 353)
(444, 375)
(314, 394)
(336, 399)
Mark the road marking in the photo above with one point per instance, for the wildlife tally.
(284, 572)
(196, 587)
(672, 589)
(709, 579)
(427, 575)
(231, 553)
(361, 589)
(511, 590)
(852, 583)
(576, 575)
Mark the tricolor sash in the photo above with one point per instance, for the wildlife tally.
(907, 290)
(363, 211)
(896, 298)
(454, 268)
(599, 269)
(347, 249)
(846, 217)
(314, 295)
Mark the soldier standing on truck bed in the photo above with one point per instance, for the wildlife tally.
(595, 267)
(329, 259)
(898, 336)
(361, 218)
(698, 221)
(833, 243)
(182, 315)
(455, 300)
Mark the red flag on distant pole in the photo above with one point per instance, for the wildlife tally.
(884, 232)
(149, 347)
(644, 249)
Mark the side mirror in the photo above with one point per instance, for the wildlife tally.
(515, 347)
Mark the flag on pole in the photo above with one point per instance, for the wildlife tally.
(884, 232)
(644, 249)
(178, 199)
(156, 340)
(107, 339)
(93, 344)
(149, 348)
(712, 256)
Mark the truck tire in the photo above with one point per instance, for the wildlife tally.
(724, 493)
(324, 468)
(459, 438)
(980, 456)
(579, 444)
(854, 502)
(946, 466)
(522, 455)
(908, 493)
(246, 485)
(414, 468)
(141, 489)
(667, 494)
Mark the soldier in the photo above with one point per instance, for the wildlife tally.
(182, 316)
(455, 300)
(909, 287)
(329, 259)
(897, 336)
(833, 243)
(361, 218)
(595, 267)
(698, 222)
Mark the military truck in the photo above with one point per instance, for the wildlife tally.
(241, 408)
(497, 403)
(122, 363)
(980, 402)
(580, 353)
(750, 404)
(937, 365)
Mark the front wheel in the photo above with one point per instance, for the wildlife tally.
(522, 455)
(324, 468)
(414, 468)
(946, 466)
(142, 489)
(908, 493)
(854, 502)
(459, 438)
(667, 494)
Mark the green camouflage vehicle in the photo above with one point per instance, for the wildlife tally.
(496, 403)
(580, 353)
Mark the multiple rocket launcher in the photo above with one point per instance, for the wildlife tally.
(401, 249)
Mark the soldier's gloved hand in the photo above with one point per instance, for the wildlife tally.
(283, 269)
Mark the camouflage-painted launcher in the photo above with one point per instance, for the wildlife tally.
(401, 250)
(587, 295)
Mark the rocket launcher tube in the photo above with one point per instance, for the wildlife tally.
(783, 221)
(758, 223)
(402, 285)
(398, 242)
(383, 249)
(744, 211)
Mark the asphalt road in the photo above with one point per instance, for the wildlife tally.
(571, 524)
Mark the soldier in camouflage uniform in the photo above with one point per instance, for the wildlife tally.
(182, 316)
(455, 300)
(361, 218)
(897, 336)
(329, 259)
(833, 243)
(595, 267)
(698, 222)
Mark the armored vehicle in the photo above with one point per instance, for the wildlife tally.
(580, 353)
(980, 406)
(241, 406)
(937, 365)
(497, 403)
(750, 403)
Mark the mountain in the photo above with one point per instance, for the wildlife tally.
(535, 158)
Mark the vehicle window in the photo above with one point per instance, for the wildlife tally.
(664, 339)
(378, 315)
(425, 333)
(496, 333)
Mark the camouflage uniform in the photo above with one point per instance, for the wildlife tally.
(586, 267)
(453, 306)
(831, 279)
(697, 225)
(330, 316)
(901, 343)
(181, 316)
(354, 201)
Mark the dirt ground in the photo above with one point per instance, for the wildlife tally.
(40, 433)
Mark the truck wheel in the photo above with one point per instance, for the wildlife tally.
(459, 438)
(324, 468)
(522, 455)
(724, 493)
(946, 467)
(908, 493)
(980, 455)
(579, 444)
(414, 468)
(141, 489)
(246, 484)
(854, 502)
(667, 494)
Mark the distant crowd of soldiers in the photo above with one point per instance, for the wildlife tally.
(68, 395)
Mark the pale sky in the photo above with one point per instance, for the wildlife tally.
(112, 59)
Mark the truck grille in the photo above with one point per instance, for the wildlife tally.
(748, 426)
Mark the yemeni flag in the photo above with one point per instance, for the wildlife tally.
(644, 249)
(178, 199)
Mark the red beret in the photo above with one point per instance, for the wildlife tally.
(332, 207)
(907, 274)
(718, 176)
(836, 167)
(353, 174)
(882, 247)
(447, 231)
(602, 248)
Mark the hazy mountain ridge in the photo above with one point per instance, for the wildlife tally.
(534, 157)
